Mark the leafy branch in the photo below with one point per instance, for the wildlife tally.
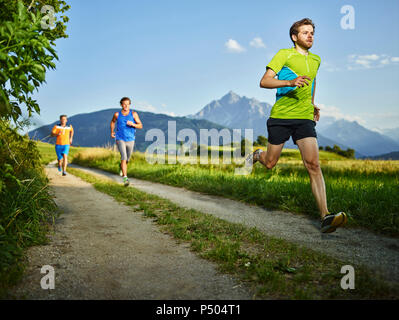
(29, 53)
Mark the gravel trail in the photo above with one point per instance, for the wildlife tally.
(352, 246)
(101, 249)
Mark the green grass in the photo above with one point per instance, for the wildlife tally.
(26, 206)
(274, 268)
(366, 190)
(47, 152)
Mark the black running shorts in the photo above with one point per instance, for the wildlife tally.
(280, 130)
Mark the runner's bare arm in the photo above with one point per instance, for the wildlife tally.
(54, 132)
(114, 118)
(269, 82)
(138, 124)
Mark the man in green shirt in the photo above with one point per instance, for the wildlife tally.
(294, 114)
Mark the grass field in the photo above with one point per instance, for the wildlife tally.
(367, 190)
(275, 268)
(47, 152)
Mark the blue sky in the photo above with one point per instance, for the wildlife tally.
(176, 56)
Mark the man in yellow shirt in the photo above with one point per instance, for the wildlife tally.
(294, 114)
(64, 136)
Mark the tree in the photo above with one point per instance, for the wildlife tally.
(349, 153)
(26, 52)
(8, 7)
(261, 141)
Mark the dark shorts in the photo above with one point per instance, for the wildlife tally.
(280, 130)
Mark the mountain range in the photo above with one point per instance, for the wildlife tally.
(241, 112)
(233, 112)
(387, 156)
(93, 129)
(392, 133)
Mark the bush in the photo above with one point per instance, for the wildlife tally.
(261, 141)
(349, 153)
(25, 203)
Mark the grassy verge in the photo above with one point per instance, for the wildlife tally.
(366, 190)
(47, 152)
(26, 207)
(275, 268)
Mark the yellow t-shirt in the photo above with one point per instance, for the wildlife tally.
(64, 137)
(294, 102)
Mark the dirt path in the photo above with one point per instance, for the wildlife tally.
(100, 249)
(352, 246)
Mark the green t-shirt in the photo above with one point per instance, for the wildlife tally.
(294, 102)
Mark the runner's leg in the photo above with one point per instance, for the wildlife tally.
(64, 162)
(59, 156)
(124, 168)
(270, 157)
(122, 150)
(310, 156)
(278, 134)
(129, 150)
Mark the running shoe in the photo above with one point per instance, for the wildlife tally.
(125, 181)
(253, 157)
(64, 173)
(332, 221)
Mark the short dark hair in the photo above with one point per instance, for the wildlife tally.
(294, 28)
(125, 98)
(63, 115)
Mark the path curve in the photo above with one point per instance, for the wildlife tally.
(353, 246)
(101, 249)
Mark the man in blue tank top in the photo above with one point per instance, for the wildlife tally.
(127, 121)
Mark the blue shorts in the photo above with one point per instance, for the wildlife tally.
(61, 150)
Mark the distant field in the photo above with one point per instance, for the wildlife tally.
(367, 190)
(47, 152)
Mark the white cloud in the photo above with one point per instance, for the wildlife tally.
(382, 120)
(329, 67)
(363, 62)
(257, 42)
(373, 121)
(373, 57)
(370, 61)
(234, 46)
(145, 106)
(172, 114)
(332, 111)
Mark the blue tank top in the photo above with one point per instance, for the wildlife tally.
(123, 131)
